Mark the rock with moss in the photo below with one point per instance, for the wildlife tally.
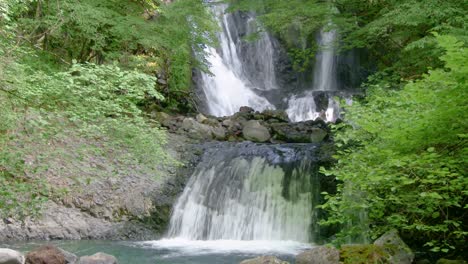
(264, 260)
(319, 255)
(256, 132)
(399, 252)
(363, 254)
(47, 254)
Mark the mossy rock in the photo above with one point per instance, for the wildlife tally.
(363, 254)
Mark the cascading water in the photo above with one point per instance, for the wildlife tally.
(245, 73)
(236, 80)
(303, 107)
(250, 192)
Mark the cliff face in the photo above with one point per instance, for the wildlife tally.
(101, 193)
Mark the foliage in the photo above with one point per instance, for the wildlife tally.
(145, 35)
(403, 159)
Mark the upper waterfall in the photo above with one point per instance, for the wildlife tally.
(233, 82)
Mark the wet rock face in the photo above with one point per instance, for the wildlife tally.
(269, 126)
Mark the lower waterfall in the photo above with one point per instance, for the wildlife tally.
(250, 192)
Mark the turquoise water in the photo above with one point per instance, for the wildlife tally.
(176, 251)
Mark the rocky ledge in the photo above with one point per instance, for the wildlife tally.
(269, 126)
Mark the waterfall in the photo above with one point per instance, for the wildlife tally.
(237, 80)
(250, 192)
(303, 107)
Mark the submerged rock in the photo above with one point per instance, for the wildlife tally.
(264, 260)
(399, 252)
(98, 258)
(10, 256)
(256, 132)
(47, 254)
(319, 255)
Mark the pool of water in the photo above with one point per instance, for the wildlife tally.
(176, 251)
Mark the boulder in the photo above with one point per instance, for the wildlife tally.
(317, 135)
(218, 132)
(70, 258)
(264, 260)
(246, 109)
(399, 252)
(256, 132)
(98, 258)
(195, 129)
(319, 255)
(47, 254)
(200, 118)
(363, 253)
(279, 115)
(10, 256)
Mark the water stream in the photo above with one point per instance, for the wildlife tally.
(245, 73)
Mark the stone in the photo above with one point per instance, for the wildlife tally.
(200, 118)
(218, 133)
(10, 256)
(47, 254)
(448, 261)
(363, 253)
(319, 255)
(317, 135)
(98, 258)
(246, 109)
(279, 115)
(256, 132)
(264, 260)
(70, 258)
(399, 252)
(195, 129)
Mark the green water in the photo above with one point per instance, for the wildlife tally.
(140, 253)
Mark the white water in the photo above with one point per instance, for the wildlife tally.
(301, 108)
(243, 200)
(228, 87)
(185, 247)
(325, 62)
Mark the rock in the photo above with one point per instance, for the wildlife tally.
(448, 261)
(255, 132)
(98, 258)
(264, 260)
(319, 255)
(317, 135)
(10, 256)
(195, 129)
(279, 115)
(200, 118)
(218, 133)
(399, 252)
(246, 109)
(363, 253)
(70, 258)
(47, 254)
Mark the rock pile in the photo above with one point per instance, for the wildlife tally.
(269, 126)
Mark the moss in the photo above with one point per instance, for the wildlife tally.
(363, 254)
